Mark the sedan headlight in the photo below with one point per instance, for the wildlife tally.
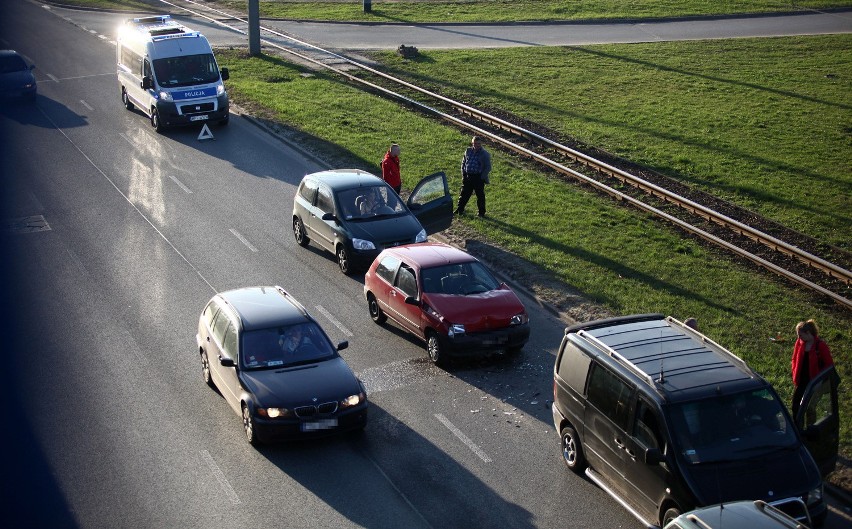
(353, 400)
(362, 244)
(165, 96)
(519, 319)
(456, 328)
(273, 413)
(421, 237)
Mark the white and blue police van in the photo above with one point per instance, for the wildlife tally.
(169, 73)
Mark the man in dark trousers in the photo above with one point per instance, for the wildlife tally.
(475, 166)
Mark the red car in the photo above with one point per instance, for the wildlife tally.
(446, 297)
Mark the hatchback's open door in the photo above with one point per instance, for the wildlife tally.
(432, 203)
(819, 419)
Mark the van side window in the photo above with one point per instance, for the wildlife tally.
(146, 69)
(610, 395)
(646, 429)
(131, 60)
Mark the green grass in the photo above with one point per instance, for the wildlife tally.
(613, 256)
(487, 10)
(525, 10)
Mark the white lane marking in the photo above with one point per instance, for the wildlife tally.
(463, 438)
(180, 184)
(243, 240)
(401, 494)
(87, 106)
(220, 477)
(333, 320)
(126, 198)
(55, 80)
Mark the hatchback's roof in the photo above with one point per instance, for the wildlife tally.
(669, 356)
(738, 515)
(430, 254)
(338, 179)
(264, 306)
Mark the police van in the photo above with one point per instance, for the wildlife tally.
(168, 71)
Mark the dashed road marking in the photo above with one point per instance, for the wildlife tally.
(334, 320)
(220, 477)
(243, 240)
(180, 185)
(463, 438)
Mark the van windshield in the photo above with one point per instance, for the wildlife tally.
(731, 427)
(186, 70)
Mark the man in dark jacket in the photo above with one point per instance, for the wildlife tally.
(475, 166)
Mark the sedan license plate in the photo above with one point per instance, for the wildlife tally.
(322, 424)
(205, 117)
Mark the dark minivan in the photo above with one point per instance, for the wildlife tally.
(666, 420)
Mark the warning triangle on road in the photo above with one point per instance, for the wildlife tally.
(205, 133)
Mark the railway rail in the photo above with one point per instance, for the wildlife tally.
(766, 250)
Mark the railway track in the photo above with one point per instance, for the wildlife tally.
(697, 214)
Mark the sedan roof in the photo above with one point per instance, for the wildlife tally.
(339, 179)
(430, 254)
(264, 307)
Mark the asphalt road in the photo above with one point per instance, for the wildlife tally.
(107, 422)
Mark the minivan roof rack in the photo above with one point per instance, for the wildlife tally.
(708, 341)
(619, 357)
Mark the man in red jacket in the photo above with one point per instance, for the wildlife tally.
(390, 168)
(810, 356)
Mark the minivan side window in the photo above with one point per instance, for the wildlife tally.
(646, 428)
(610, 395)
(574, 366)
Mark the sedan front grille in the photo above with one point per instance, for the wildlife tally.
(326, 408)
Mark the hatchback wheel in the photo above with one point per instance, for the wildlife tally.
(249, 427)
(375, 311)
(126, 99)
(435, 349)
(572, 452)
(299, 232)
(343, 259)
(205, 369)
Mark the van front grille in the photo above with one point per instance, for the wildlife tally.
(196, 108)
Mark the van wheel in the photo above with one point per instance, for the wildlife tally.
(155, 121)
(343, 259)
(572, 452)
(375, 311)
(435, 349)
(671, 514)
(126, 99)
(299, 232)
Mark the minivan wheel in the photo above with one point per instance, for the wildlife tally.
(299, 232)
(205, 369)
(375, 311)
(343, 259)
(671, 514)
(572, 452)
(434, 348)
(126, 99)
(248, 426)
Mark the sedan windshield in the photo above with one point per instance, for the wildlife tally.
(186, 70)
(730, 427)
(369, 202)
(284, 346)
(463, 279)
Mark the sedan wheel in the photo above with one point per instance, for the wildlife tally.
(572, 453)
(248, 426)
(433, 346)
(343, 260)
(205, 369)
(375, 311)
(299, 232)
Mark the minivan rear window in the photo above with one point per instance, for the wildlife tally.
(738, 426)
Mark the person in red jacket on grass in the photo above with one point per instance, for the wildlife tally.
(810, 356)
(390, 168)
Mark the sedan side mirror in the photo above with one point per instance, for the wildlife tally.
(342, 345)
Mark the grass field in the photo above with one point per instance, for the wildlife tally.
(612, 256)
(487, 10)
